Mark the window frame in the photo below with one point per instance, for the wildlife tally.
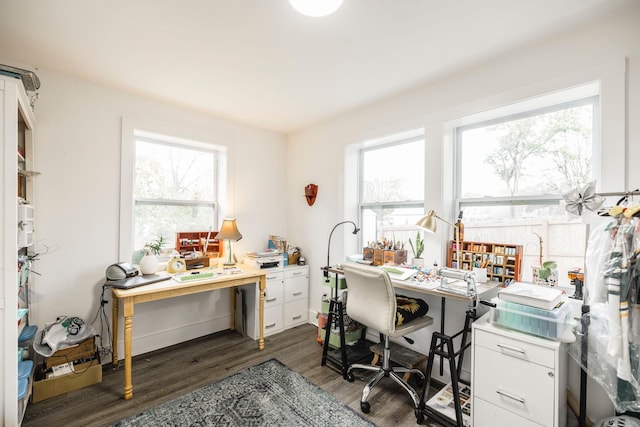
(131, 131)
(520, 110)
(415, 135)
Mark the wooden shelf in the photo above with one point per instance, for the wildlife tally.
(189, 241)
(502, 260)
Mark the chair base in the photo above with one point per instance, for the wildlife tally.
(395, 373)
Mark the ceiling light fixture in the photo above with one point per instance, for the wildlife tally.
(316, 8)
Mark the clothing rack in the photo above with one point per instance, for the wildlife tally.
(585, 323)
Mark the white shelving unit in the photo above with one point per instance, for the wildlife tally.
(16, 135)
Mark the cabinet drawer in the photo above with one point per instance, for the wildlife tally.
(486, 414)
(295, 289)
(533, 351)
(273, 295)
(523, 388)
(276, 275)
(295, 313)
(296, 272)
(272, 320)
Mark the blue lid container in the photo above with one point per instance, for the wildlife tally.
(27, 333)
(24, 369)
(22, 388)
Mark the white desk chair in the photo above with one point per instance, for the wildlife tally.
(372, 302)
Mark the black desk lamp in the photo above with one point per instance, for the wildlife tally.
(355, 231)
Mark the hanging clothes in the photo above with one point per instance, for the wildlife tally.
(615, 298)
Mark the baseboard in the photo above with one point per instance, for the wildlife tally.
(160, 339)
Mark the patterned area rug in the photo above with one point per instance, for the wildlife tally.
(268, 394)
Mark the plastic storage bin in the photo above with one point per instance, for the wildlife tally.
(25, 340)
(556, 324)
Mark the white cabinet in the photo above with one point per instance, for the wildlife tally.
(16, 158)
(285, 303)
(296, 296)
(517, 379)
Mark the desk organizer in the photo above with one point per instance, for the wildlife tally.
(556, 324)
(384, 256)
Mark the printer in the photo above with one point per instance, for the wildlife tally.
(264, 260)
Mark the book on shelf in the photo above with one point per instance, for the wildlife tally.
(532, 295)
(443, 402)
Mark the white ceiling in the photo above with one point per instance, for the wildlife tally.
(262, 63)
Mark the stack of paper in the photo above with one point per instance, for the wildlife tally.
(531, 295)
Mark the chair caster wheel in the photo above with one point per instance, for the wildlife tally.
(366, 408)
(350, 377)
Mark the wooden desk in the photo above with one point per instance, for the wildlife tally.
(169, 289)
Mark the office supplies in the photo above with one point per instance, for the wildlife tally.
(135, 281)
(120, 270)
(192, 276)
(531, 295)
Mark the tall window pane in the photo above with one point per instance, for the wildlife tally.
(174, 190)
(512, 171)
(392, 188)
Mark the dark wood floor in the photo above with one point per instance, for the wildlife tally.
(168, 373)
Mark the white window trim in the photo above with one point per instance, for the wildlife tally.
(131, 128)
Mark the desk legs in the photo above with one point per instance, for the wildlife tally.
(128, 323)
(114, 327)
(263, 286)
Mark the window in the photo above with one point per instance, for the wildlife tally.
(174, 188)
(512, 169)
(391, 184)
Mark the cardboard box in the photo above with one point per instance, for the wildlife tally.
(84, 350)
(86, 374)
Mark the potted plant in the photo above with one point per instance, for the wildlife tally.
(547, 273)
(417, 250)
(149, 263)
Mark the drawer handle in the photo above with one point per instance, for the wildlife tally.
(297, 273)
(295, 294)
(270, 326)
(296, 317)
(271, 299)
(510, 396)
(508, 347)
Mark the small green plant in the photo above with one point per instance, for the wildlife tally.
(547, 267)
(418, 248)
(155, 246)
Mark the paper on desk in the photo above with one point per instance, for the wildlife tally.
(399, 273)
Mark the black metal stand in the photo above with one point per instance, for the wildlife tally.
(585, 320)
(335, 313)
(442, 345)
(343, 357)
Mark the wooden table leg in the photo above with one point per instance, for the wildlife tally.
(128, 323)
(232, 297)
(263, 286)
(114, 329)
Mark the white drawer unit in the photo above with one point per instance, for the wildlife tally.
(286, 301)
(296, 296)
(273, 301)
(517, 379)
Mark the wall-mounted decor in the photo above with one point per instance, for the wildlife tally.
(310, 193)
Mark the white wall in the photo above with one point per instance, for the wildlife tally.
(78, 136)
(604, 52)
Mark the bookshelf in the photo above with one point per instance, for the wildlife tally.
(502, 261)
